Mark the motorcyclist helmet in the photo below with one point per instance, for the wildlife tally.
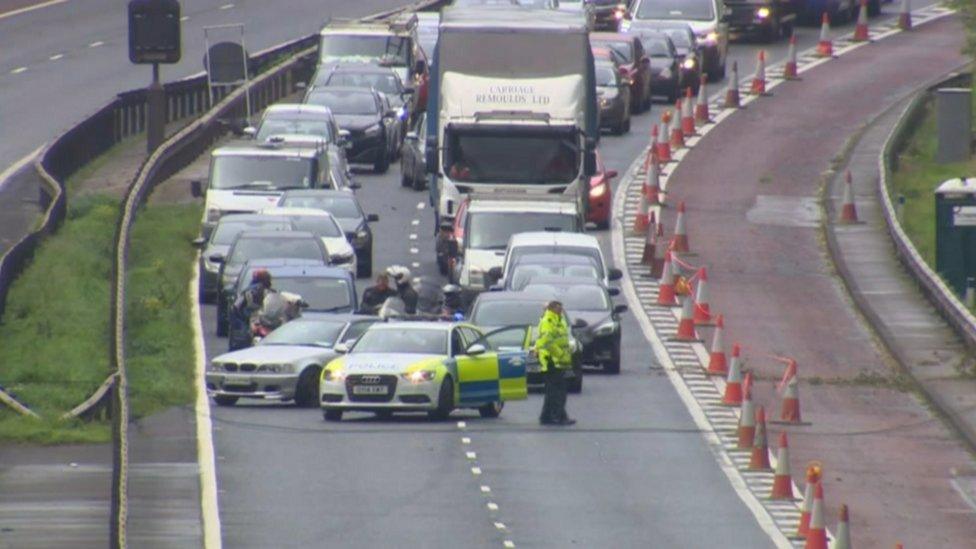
(262, 276)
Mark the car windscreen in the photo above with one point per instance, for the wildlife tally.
(339, 206)
(573, 298)
(523, 274)
(295, 126)
(386, 83)
(491, 230)
(679, 37)
(403, 340)
(585, 251)
(624, 49)
(319, 333)
(321, 293)
(697, 10)
(507, 313)
(606, 75)
(227, 231)
(246, 249)
(317, 224)
(544, 156)
(261, 172)
(344, 102)
(386, 49)
(655, 45)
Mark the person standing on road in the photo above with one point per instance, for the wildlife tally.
(556, 360)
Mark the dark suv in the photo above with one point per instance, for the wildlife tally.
(373, 124)
(767, 19)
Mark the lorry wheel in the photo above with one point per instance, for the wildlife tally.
(225, 400)
(491, 410)
(332, 415)
(445, 401)
(307, 388)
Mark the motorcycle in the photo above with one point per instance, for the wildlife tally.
(277, 309)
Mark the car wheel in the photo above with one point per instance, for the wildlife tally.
(445, 401)
(221, 323)
(332, 415)
(491, 410)
(307, 389)
(576, 384)
(382, 164)
(612, 366)
(626, 127)
(404, 178)
(419, 183)
(225, 400)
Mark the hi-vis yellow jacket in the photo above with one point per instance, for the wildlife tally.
(553, 342)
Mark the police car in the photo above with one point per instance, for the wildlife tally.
(422, 366)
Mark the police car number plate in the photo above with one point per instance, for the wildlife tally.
(370, 390)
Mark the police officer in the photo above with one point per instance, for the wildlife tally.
(556, 360)
(404, 288)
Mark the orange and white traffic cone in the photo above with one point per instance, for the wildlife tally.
(848, 210)
(652, 182)
(861, 32)
(733, 383)
(790, 71)
(842, 538)
(679, 242)
(664, 141)
(825, 47)
(677, 134)
(790, 410)
(717, 364)
(746, 431)
(782, 479)
(703, 311)
(732, 92)
(666, 296)
(640, 216)
(647, 257)
(702, 115)
(905, 15)
(686, 324)
(817, 535)
(759, 460)
(658, 264)
(814, 472)
(687, 114)
(758, 86)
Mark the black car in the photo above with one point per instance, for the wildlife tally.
(613, 93)
(767, 19)
(607, 14)
(252, 245)
(346, 210)
(595, 319)
(413, 160)
(665, 64)
(688, 49)
(373, 125)
(215, 248)
(360, 75)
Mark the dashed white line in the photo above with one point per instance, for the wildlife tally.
(500, 525)
(415, 265)
(31, 8)
(185, 18)
(414, 250)
(485, 489)
(492, 506)
(509, 544)
(413, 236)
(96, 44)
(465, 440)
(476, 471)
(415, 222)
(421, 205)
(18, 70)
(227, 6)
(471, 455)
(56, 56)
(461, 425)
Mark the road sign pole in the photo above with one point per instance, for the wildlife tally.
(156, 115)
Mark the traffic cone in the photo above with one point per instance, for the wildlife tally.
(652, 182)
(790, 69)
(759, 460)
(665, 290)
(905, 15)
(817, 534)
(758, 86)
(658, 264)
(647, 257)
(717, 364)
(842, 539)
(663, 143)
(679, 242)
(848, 211)
(825, 47)
(861, 32)
(686, 324)
(732, 92)
(782, 479)
(687, 114)
(814, 472)
(703, 312)
(790, 410)
(733, 383)
(746, 432)
(640, 216)
(677, 134)
(702, 115)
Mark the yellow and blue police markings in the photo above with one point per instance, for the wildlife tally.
(491, 377)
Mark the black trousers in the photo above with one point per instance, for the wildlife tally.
(554, 402)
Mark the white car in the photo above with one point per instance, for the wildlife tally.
(321, 223)
(558, 244)
(431, 367)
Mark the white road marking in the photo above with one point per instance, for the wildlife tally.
(415, 265)
(415, 222)
(485, 489)
(476, 471)
(492, 506)
(185, 18)
(227, 6)
(31, 8)
(465, 440)
(18, 70)
(471, 455)
(461, 425)
(96, 44)
(414, 250)
(500, 525)
(413, 236)
(18, 165)
(421, 205)
(509, 544)
(205, 445)
(56, 56)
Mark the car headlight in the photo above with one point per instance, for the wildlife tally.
(373, 130)
(341, 259)
(216, 367)
(360, 239)
(711, 37)
(762, 12)
(419, 376)
(625, 25)
(605, 329)
(213, 215)
(334, 376)
(688, 63)
(604, 102)
(276, 368)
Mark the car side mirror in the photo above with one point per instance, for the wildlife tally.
(612, 173)
(217, 258)
(614, 274)
(614, 292)
(341, 348)
(196, 188)
(618, 309)
(199, 242)
(372, 218)
(579, 323)
(250, 132)
(476, 349)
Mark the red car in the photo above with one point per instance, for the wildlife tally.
(634, 63)
(600, 196)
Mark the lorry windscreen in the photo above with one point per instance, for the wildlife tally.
(513, 54)
(386, 49)
(503, 154)
(491, 230)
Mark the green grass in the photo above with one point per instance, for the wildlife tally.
(916, 177)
